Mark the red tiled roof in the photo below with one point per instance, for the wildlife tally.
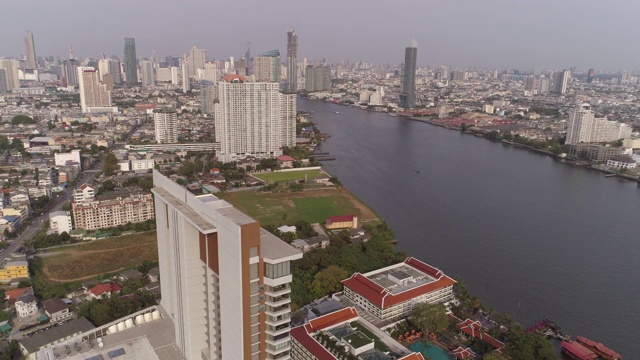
(105, 288)
(334, 318)
(13, 295)
(340, 218)
(475, 329)
(230, 78)
(598, 346)
(285, 158)
(578, 350)
(383, 299)
(309, 343)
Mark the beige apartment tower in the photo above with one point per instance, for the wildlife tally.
(225, 280)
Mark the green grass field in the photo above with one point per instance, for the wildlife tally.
(287, 208)
(288, 175)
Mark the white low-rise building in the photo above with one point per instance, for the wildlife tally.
(142, 164)
(71, 158)
(26, 305)
(622, 162)
(60, 221)
(84, 193)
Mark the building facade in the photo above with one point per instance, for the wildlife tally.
(14, 270)
(94, 96)
(11, 73)
(292, 61)
(408, 93)
(166, 126)
(130, 61)
(70, 158)
(584, 127)
(622, 162)
(390, 293)
(26, 305)
(146, 72)
(225, 280)
(253, 119)
(83, 194)
(196, 59)
(30, 48)
(317, 78)
(266, 66)
(60, 221)
(96, 215)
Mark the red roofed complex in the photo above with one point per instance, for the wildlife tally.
(476, 330)
(305, 342)
(103, 290)
(391, 292)
(461, 353)
(576, 351)
(13, 295)
(285, 160)
(342, 222)
(599, 348)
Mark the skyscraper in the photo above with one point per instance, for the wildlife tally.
(253, 119)
(146, 72)
(110, 66)
(408, 93)
(211, 72)
(4, 86)
(561, 81)
(186, 80)
(266, 66)
(94, 96)
(196, 59)
(225, 280)
(208, 95)
(166, 126)
(70, 71)
(584, 127)
(31, 51)
(130, 61)
(11, 72)
(317, 78)
(292, 61)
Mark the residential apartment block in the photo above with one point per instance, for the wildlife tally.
(225, 280)
(584, 127)
(95, 215)
(390, 293)
(14, 270)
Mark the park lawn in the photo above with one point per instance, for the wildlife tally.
(287, 208)
(80, 262)
(318, 209)
(288, 175)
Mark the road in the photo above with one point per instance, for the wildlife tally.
(37, 224)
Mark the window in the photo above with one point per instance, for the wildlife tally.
(278, 270)
(253, 251)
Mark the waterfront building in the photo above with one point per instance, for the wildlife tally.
(130, 61)
(94, 96)
(253, 119)
(212, 146)
(60, 221)
(584, 127)
(342, 222)
(166, 126)
(11, 73)
(317, 78)
(292, 61)
(146, 72)
(594, 152)
(196, 60)
(30, 51)
(408, 89)
(94, 215)
(622, 162)
(225, 280)
(391, 292)
(266, 66)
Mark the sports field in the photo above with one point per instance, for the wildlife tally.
(80, 262)
(287, 208)
(288, 175)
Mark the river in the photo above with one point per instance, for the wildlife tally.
(530, 236)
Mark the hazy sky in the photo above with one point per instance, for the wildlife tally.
(499, 33)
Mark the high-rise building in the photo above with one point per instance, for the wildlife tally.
(94, 96)
(292, 61)
(208, 95)
(174, 75)
(11, 73)
(584, 127)
(225, 280)
(211, 72)
(543, 86)
(266, 66)
(166, 126)
(186, 80)
(70, 71)
(561, 81)
(241, 67)
(31, 51)
(253, 119)
(130, 61)
(196, 59)
(146, 72)
(317, 78)
(110, 66)
(408, 93)
(4, 86)
(591, 75)
(93, 215)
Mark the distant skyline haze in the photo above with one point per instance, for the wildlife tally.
(540, 34)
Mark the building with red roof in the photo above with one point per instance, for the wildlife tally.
(12, 295)
(103, 290)
(285, 160)
(475, 329)
(342, 222)
(598, 348)
(464, 353)
(391, 292)
(305, 342)
(575, 350)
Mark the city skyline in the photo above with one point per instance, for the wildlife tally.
(495, 33)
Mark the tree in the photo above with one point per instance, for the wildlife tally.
(17, 144)
(526, 346)
(494, 356)
(430, 317)
(110, 164)
(328, 280)
(22, 119)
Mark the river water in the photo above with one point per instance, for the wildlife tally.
(530, 236)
